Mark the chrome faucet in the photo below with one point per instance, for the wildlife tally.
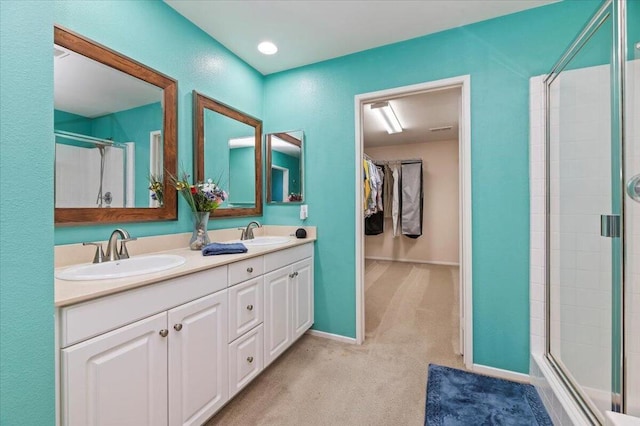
(112, 252)
(247, 233)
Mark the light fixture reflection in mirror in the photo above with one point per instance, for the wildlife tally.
(114, 129)
(285, 167)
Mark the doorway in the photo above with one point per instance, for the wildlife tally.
(462, 84)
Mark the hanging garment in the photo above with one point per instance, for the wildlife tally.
(374, 224)
(387, 191)
(411, 202)
(374, 180)
(366, 186)
(379, 189)
(395, 204)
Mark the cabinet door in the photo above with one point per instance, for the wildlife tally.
(198, 378)
(278, 327)
(246, 302)
(245, 359)
(118, 378)
(302, 286)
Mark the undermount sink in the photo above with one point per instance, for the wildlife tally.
(137, 265)
(265, 241)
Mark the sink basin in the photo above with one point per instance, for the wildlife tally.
(265, 241)
(138, 265)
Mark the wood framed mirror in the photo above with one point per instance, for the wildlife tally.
(115, 128)
(228, 149)
(285, 167)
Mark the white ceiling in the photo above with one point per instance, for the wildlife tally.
(315, 30)
(417, 114)
(88, 88)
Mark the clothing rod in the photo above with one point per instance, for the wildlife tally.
(402, 161)
(87, 139)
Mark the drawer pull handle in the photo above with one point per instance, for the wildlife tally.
(250, 359)
(164, 332)
(250, 307)
(177, 327)
(250, 269)
(296, 273)
(292, 275)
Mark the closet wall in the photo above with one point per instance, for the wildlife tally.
(439, 242)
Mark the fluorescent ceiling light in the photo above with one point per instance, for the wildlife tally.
(387, 116)
(267, 48)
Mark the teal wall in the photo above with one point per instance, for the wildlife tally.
(291, 163)
(153, 33)
(26, 214)
(500, 55)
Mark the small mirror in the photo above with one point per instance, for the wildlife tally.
(285, 167)
(114, 131)
(228, 150)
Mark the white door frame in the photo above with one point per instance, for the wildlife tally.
(466, 313)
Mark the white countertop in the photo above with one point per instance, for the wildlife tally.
(70, 292)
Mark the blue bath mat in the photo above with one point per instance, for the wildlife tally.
(460, 398)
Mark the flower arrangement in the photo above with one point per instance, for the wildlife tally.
(202, 196)
(156, 188)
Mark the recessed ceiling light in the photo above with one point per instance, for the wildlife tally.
(267, 48)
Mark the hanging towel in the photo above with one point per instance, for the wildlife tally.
(222, 248)
(411, 202)
(395, 205)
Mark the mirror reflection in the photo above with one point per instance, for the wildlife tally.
(285, 167)
(108, 134)
(227, 145)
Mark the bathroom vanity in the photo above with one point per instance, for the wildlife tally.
(185, 340)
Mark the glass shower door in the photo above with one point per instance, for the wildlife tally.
(584, 216)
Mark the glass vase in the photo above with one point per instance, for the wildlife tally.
(200, 237)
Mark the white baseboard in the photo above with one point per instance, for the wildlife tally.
(432, 262)
(500, 373)
(332, 336)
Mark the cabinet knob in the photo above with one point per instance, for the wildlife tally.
(250, 359)
(164, 332)
(249, 269)
(177, 327)
(250, 307)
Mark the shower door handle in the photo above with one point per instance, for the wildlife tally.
(633, 188)
(610, 225)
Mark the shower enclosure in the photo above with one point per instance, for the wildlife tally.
(593, 215)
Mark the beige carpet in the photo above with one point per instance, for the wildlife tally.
(411, 321)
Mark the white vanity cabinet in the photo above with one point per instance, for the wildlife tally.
(288, 299)
(174, 352)
(169, 368)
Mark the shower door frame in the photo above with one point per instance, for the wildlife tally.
(616, 10)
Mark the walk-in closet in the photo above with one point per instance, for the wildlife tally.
(411, 206)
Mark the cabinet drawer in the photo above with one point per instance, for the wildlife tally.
(245, 270)
(246, 309)
(245, 359)
(89, 319)
(278, 259)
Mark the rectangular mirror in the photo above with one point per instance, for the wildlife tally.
(114, 130)
(228, 150)
(285, 166)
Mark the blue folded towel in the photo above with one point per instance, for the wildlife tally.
(222, 248)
